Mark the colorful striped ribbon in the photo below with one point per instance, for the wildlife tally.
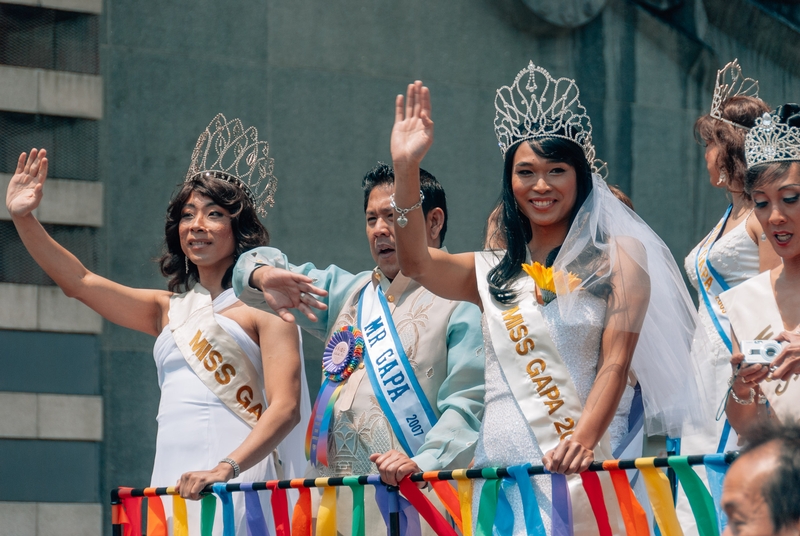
(633, 515)
(447, 495)
(534, 526)
(228, 523)
(180, 521)
(464, 500)
(425, 508)
(280, 510)
(660, 494)
(301, 517)
(594, 490)
(254, 513)
(487, 507)
(208, 509)
(156, 518)
(699, 498)
(326, 515)
(561, 513)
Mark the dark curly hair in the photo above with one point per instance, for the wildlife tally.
(248, 231)
(742, 110)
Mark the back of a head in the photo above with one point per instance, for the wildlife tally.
(742, 110)
(383, 174)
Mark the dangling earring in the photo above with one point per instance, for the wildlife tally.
(723, 178)
(187, 264)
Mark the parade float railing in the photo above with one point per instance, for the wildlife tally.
(494, 509)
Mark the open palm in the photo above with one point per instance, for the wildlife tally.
(284, 290)
(412, 134)
(25, 189)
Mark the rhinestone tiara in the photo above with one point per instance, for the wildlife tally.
(538, 106)
(731, 83)
(227, 151)
(770, 140)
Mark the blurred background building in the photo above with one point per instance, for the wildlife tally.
(118, 91)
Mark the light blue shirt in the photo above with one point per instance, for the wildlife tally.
(459, 400)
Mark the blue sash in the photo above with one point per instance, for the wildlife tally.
(711, 285)
(393, 380)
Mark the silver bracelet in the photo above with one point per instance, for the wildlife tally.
(736, 398)
(232, 464)
(402, 221)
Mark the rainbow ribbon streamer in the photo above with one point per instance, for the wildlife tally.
(494, 513)
(342, 356)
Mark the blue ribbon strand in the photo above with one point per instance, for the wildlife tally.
(716, 468)
(256, 523)
(534, 526)
(228, 524)
(562, 506)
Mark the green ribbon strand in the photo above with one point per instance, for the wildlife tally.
(208, 507)
(488, 504)
(699, 498)
(358, 527)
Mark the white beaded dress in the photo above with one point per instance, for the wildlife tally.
(196, 429)
(505, 438)
(735, 258)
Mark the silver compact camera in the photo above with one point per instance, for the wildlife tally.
(760, 352)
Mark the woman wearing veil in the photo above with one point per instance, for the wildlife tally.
(584, 298)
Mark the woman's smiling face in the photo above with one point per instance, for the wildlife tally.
(778, 210)
(545, 190)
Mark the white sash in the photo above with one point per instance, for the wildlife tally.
(214, 355)
(541, 384)
(754, 315)
(393, 380)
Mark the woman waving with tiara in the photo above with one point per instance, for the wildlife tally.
(585, 300)
(232, 384)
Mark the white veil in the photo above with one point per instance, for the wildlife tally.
(616, 254)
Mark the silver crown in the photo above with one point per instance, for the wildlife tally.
(731, 83)
(771, 141)
(538, 106)
(226, 150)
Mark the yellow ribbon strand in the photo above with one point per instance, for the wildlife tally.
(180, 523)
(465, 500)
(326, 516)
(660, 496)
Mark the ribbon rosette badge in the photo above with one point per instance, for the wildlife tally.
(545, 279)
(341, 358)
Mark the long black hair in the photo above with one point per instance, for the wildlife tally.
(248, 231)
(515, 225)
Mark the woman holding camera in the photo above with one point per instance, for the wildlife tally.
(768, 305)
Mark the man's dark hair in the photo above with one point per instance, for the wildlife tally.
(781, 490)
(431, 189)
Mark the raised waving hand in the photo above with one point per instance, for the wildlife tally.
(412, 134)
(25, 189)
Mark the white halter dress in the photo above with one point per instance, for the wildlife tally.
(196, 429)
(505, 437)
(735, 257)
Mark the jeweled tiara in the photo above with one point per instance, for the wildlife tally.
(731, 83)
(227, 151)
(538, 106)
(771, 140)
